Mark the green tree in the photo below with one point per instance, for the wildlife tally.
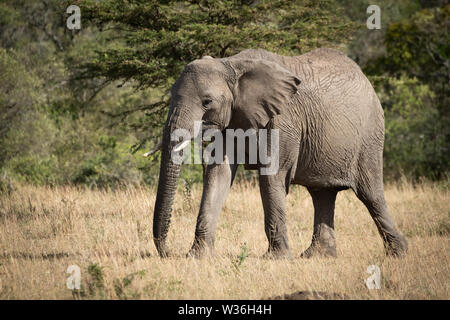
(156, 39)
(53, 129)
(415, 72)
(414, 143)
(77, 105)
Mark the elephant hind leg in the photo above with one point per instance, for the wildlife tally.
(372, 195)
(324, 238)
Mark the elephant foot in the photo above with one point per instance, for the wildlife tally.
(323, 244)
(275, 254)
(317, 250)
(397, 246)
(199, 251)
(161, 248)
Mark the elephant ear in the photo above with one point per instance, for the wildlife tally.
(262, 90)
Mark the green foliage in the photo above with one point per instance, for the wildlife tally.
(18, 94)
(423, 47)
(370, 44)
(418, 46)
(414, 143)
(96, 282)
(239, 260)
(122, 286)
(154, 40)
(54, 130)
(414, 92)
(162, 37)
(79, 106)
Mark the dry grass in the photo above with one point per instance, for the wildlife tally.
(108, 234)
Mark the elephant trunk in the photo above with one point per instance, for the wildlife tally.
(168, 176)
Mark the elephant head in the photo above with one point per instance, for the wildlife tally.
(245, 92)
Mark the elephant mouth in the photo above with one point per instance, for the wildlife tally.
(208, 125)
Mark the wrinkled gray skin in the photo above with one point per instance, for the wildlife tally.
(331, 138)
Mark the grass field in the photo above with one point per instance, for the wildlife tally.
(108, 234)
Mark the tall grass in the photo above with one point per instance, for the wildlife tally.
(108, 234)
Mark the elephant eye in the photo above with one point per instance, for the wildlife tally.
(206, 102)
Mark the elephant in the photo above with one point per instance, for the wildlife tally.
(331, 136)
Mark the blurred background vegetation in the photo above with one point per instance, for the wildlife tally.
(81, 106)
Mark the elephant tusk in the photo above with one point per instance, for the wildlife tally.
(181, 146)
(154, 150)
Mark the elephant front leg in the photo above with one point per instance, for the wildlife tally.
(217, 181)
(273, 193)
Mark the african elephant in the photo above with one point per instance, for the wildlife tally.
(331, 136)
